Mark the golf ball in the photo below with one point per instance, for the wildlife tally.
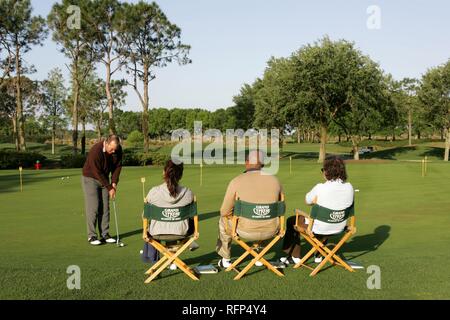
(121, 244)
(141, 252)
(357, 190)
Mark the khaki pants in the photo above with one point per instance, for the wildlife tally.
(223, 246)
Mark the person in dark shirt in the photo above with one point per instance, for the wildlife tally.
(104, 159)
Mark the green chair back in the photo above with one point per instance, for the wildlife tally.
(255, 211)
(153, 212)
(331, 216)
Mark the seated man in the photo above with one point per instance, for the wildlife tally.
(335, 194)
(251, 186)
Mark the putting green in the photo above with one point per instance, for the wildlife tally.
(402, 222)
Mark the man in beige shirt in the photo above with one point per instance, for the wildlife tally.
(251, 186)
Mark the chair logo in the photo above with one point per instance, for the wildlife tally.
(261, 211)
(171, 213)
(337, 216)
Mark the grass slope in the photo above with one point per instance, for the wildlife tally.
(402, 222)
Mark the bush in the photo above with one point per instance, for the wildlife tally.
(159, 159)
(11, 159)
(73, 161)
(135, 139)
(130, 158)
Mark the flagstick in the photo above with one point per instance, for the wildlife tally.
(426, 164)
(423, 168)
(290, 165)
(201, 173)
(143, 188)
(21, 182)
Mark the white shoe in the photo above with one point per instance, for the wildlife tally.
(109, 239)
(258, 263)
(173, 266)
(224, 263)
(318, 259)
(94, 241)
(290, 260)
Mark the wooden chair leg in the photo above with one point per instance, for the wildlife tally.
(170, 259)
(331, 254)
(242, 257)
(259, 257)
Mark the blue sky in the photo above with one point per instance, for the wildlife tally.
(232, 40)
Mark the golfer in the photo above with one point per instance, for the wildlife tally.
(104, 158)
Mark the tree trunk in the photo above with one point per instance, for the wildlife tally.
(145, 111)
(19, 104)
(323, 141)
(53, 135)
(409, 127)
(75, 113)
(16, 140)
(298, 135)
(112, 126)
(355, 148)
(83, 136)
(447, 144)
(339, 138)
(418, 134)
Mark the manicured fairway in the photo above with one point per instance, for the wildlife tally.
(402, 219)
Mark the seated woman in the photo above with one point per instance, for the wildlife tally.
(335, 193)
(171, 194)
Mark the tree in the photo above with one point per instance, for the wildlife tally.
(102, 35)
(434, 94)
(20, 30)
(273, 96)
(324, 80)
(8, 110)
(150, 41)
(244, 105)
(54, 96)
(76, 48)
(408, 99)
(178, 118)
(365, 99)
(127, 121)
(159, 122)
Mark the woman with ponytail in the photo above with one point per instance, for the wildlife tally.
(170, 194)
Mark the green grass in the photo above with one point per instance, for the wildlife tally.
(402, 222)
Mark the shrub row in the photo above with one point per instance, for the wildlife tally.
(132, 158)
(11, 159)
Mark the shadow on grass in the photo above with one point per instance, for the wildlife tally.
(433, 152)
(367, 243)
(389, 154)
(11, 182)
(310, 155)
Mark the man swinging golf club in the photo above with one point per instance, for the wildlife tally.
(104, 159)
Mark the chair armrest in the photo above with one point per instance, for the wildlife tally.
(145, 223)
(282, 231)
(351, 225)
(196, 231)
(234, 226)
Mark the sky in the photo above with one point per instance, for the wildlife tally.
(232, 40)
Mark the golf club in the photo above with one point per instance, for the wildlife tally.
(118, 243)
